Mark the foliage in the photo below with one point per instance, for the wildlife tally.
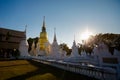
(30, 41)
(111, 40)
(65, 48)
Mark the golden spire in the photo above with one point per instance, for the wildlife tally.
(55, 35)
(43, 27)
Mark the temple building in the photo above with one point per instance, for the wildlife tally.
(55, 49)
(43, 45)
(10, 41)
(43, 36)
(44, 48)
(23, 46)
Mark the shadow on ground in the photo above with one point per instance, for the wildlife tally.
(58, 74)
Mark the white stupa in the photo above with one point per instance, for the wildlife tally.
(103, 50)
(23, 47)
(74, 52)
(55, 50)
(74, 56)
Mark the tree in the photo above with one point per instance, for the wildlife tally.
(65, 48)
(30, 41)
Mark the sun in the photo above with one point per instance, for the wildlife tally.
(85, 35)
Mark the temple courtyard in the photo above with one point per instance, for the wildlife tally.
(32, 70)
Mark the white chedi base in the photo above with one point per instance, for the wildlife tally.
(74, 52)
(74, 57)
(23, 48)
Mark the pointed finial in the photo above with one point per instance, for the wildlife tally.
(25, 28)
(44, 18)
(54, 30)
(74, 42)
(25, 31)
(74, 37)
(55, 35)
(43, 21)
(43, 27)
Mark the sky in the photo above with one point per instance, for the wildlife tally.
(70, 17)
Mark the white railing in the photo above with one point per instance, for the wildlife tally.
(94, 72)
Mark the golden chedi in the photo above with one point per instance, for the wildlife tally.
(43, 37)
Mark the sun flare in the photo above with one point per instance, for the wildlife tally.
(85, 35)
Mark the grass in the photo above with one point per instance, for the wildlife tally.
(32, 70)
(14, 68)
(47, 76)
